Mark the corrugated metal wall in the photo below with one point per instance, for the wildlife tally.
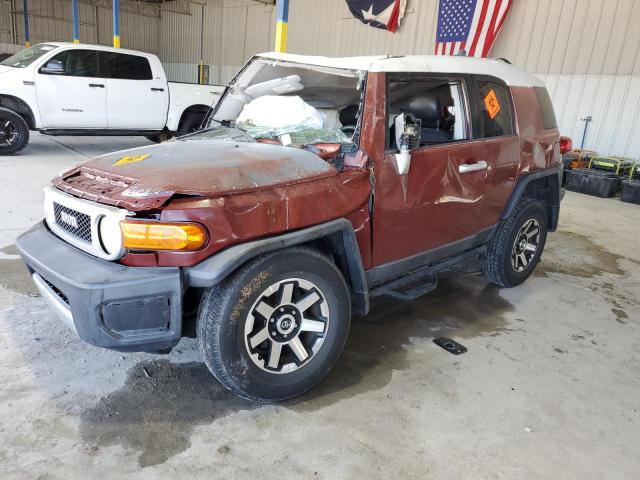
(50, 20)
(230, 31)
(588, 51)
(597, 37)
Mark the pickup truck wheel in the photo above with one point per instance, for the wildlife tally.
(191, 123)
(160, 137)
(517, 244)
(275, 328)
(14, 132)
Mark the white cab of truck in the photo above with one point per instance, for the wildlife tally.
(77, 89)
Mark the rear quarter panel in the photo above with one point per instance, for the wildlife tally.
(185, 95)
(537, 144)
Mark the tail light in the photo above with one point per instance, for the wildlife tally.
(566, 145)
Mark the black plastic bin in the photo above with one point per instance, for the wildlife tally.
(631, 191)
(591, 182)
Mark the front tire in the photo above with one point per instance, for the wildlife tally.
(14, 132)
(517, 244)
(276, 327)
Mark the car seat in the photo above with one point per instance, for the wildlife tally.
(427, 108)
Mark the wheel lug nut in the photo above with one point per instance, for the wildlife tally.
(282, 309)
(272, 320)
(273, 333)
(285, 335)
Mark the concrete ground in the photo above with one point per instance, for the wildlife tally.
(549, 387)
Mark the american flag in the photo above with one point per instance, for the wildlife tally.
(469, 25)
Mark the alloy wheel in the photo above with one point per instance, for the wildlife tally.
(286, 326)
(8, 133)
(525, 245)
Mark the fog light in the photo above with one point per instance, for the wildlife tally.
(162, 236)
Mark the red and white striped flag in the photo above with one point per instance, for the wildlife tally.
(469, 25)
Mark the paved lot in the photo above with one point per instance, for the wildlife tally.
(550, 386)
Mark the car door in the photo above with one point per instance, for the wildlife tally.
(74, 98)
(445, 202)
(136, 98)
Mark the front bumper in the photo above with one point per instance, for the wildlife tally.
(107, 304)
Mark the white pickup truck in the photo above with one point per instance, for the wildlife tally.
(76, 89)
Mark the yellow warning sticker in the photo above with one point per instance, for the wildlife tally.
(491, 103)
(132, 159)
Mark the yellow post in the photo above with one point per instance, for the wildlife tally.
(282, 25)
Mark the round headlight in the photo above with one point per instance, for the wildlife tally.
(110, 235)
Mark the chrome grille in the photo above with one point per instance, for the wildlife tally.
(74, 222)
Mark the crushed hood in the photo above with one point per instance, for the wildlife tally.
(146, 177)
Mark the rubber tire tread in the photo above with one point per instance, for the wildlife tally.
(211, 316)
(500, 244)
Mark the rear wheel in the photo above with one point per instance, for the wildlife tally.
(191, 123)
(163, 136)
(14, 132)
(517, 244)
(275, 328)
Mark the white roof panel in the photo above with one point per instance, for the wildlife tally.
(418, 63)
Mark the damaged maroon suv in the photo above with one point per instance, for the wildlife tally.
(316, 185)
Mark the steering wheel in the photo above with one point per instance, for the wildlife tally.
(348, 129)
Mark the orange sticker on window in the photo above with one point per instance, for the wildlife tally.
(491, 103)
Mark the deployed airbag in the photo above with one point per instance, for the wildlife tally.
(273, 111)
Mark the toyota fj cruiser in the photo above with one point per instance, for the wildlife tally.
(317, 184)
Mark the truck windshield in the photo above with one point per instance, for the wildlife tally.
(27, 57)
(290, 104)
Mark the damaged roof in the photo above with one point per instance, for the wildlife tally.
(511, 75)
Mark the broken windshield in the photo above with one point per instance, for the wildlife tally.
(289, 104)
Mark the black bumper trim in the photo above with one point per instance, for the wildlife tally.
(93, 286)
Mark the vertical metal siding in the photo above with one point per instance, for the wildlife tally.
(51, 20)
(613, 101)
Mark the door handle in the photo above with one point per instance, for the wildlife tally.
(155, 89)
(472, 167)
(96, 85)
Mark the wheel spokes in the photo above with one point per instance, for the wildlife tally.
(265, 310)
(298, 349)
(259, 337)
(523, 259)
(278, 318)
(274, 354)
(309, 325)
(307, 301)
(287, 294)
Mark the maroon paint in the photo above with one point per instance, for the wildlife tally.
(434, 204)
(247, 216)
(270, 189)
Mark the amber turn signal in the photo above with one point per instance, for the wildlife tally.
(162, 236)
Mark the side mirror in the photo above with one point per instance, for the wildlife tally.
(53, 67)
(408, 136)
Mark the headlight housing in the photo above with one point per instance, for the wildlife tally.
(141, 235)
(110, 235)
